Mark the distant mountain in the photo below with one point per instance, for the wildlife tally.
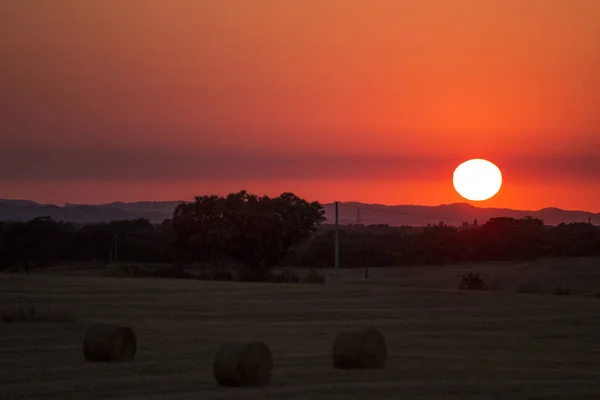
(349, 213)
(450, 214)
(24, 210)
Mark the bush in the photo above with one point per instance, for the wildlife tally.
(286, 276)
(246, 275)
(172, 272)
(21, 313)
(203, 275)
(529, 287)
(314, 276)
(221, 275)
(120, 271)
(146, 271)
(559, 291)
(290, 277)
(472, 282)
(28, 313)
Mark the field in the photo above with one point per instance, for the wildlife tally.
(442, 343)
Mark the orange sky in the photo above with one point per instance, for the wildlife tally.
(360, 100)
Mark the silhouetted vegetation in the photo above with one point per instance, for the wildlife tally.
(472, 282)
(561, 291)
(499, 239)
(251, 234)
(314, 276)
(16, 313)
(250, 230)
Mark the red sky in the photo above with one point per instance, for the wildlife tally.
(374, 101)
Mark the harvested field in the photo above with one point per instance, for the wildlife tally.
(441, 342)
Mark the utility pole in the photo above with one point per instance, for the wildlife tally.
(115, 248)
(337, 243)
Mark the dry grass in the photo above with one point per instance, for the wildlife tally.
(442, 342)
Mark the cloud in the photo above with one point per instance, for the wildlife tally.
(122, 165)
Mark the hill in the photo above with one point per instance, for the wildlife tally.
(349, 213)
(450, 214)
(24, 210)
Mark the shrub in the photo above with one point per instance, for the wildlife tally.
(222, 275)
(290, 277)
(204, 275)
(559, 291)
(147, 271)
(472, 282)
(285, 276)
(246, 275)
(529, 287)
(29, 313)
(275, 277)
(20, 313)
(120, 271)
(314, 276)
(172, 272)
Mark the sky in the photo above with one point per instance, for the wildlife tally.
(350, 100)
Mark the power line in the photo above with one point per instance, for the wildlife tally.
(395, 212)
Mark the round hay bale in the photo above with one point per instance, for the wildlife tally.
(359, 349)
(109, 343)
(243, 364)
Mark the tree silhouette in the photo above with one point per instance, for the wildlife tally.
(251, 230)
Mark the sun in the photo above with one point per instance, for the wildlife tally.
(477, 179)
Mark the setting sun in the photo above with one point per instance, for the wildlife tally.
(477, 179)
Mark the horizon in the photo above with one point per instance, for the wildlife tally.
(373, 101)
(331, 203)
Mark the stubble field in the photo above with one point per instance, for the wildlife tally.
(442, 343)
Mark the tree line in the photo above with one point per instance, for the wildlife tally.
(499, 239)
(259, 233)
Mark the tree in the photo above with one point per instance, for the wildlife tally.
(38, 242)
(94, 242)
(251, 230)
(203, 228)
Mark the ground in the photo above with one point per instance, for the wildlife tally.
(443, 343)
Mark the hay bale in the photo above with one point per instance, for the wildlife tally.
(109, 343)
(359, 349)
(243, 364)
